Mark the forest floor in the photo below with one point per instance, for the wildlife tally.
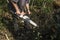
(5, 34)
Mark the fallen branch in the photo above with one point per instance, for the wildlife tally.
(6, 36)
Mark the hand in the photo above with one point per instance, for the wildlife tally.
(18, 12)
(29, 12)
(23, 13)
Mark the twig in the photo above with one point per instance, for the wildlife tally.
(6, 37)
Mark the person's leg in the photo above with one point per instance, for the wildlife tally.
(22, 6)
